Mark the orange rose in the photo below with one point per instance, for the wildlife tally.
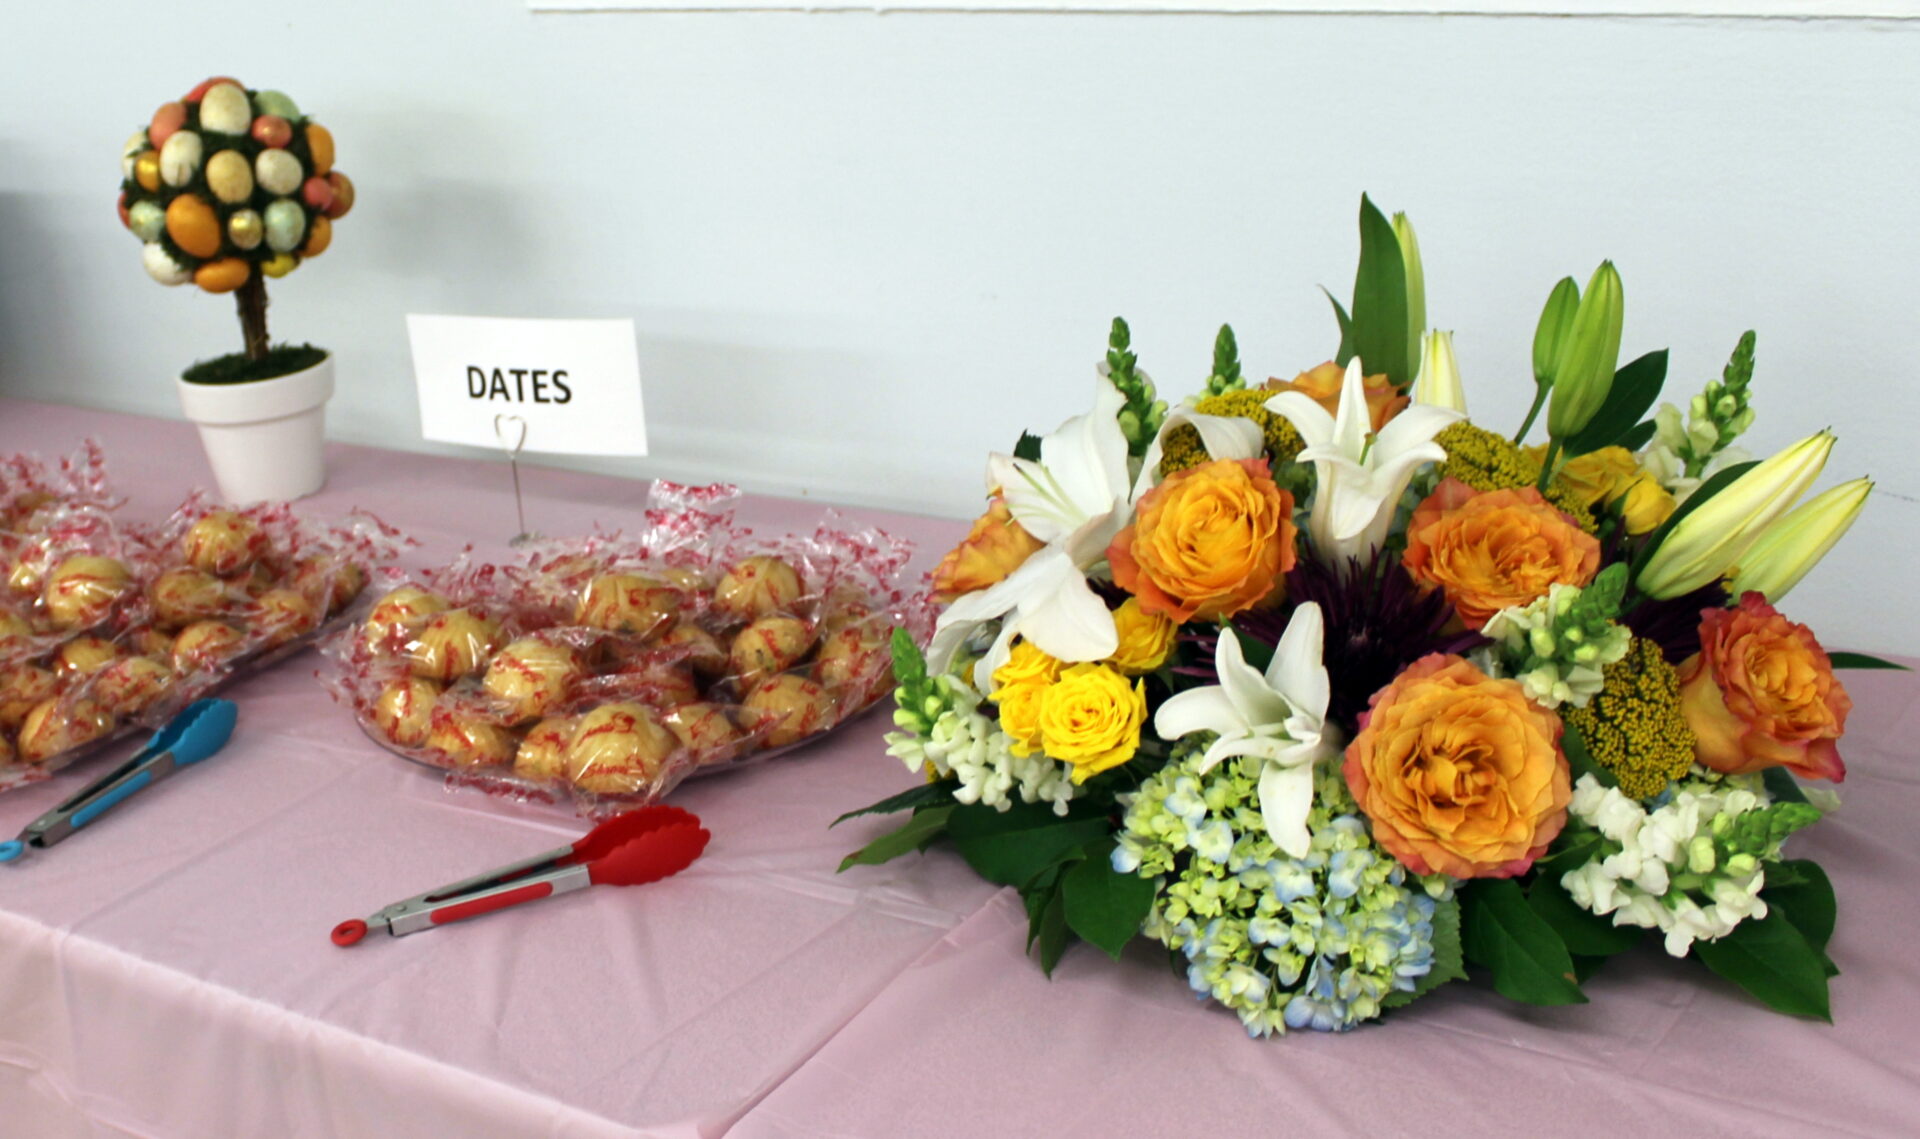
(1761, 693)
(1460, 773)
(994, 548)
(1494, 549)
(1208, 542)
(1321, 383)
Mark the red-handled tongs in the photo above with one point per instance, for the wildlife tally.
(630, 850)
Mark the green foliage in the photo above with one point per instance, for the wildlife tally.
(235, 368)
(1805, 895)
(1781, 786)
(1028, 447)
(1502, 934)
(1585, 934)
(1862, 660)
(1226, 375)
(1773, 962)
(1102, 905)
(913, 798)
(925, 826)
(1013, 847)
(1580, 761)
(1635, 388)
(1379, 321)
(1141, 415)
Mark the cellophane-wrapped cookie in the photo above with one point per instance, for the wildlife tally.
(600, 671)
(110, 626)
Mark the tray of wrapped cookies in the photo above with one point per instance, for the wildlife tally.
(599, 672)
(110, 626)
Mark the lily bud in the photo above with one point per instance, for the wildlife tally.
(1790, 547)
(1416, 280)
(1583, 373)
(1439, 382)
(1711, 540)
(1556, 320)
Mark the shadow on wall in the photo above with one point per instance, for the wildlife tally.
(34, 294)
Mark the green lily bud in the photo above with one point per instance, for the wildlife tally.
(1781, 556)
(1711, 540)
(1416, 283)
(1583, 373)
(1439, 381)
(1556, 320)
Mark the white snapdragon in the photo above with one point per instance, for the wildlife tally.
(969, 746)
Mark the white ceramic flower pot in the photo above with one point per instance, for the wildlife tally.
(265, 438)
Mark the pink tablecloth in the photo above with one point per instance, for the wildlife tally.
(169, 974)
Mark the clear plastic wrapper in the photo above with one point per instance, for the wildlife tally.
(600, 671)
(111, 627)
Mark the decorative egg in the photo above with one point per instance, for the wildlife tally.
(224, 110)
(279, 265)
(160, 264)
(201, 88)
(146, 170)
(317, 192)
(702, 728)
(193, 225)
(318, 237)
(136, 142)
(286, 224)
(146, 219)
(222, 276)
(394, 617)
(330, 580)
(278, 172)
(453, 644)
(795, 708)
(120, 207)
(276, 103)
(626, 603)
(50, 729)
(13, 627)
(530, 677)
(169, 118)
(230, 176)
(757, 587)
(769, 645)
(283, 614)
(342, 194)
(703, 652)
(273, 131)
(320, 146)
(245, 229)
(180, 158)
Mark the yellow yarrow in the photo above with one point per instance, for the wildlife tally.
(1183, 448)
(1019, 684)
(1091, 719)
(1487, 461)
(1146, 639)
(1635, 727)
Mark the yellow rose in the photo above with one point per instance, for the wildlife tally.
(1645, 503)
(1146, 639)
(995, 547)
(1597, 476)
(1091, 718)
(1019, 684)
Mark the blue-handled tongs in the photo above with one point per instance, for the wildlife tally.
(201, 729)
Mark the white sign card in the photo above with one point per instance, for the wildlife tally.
(574, 383)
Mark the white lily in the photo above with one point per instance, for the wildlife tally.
(1361, 473)
(1047, 601)
(1279, 717)
(1080, 487)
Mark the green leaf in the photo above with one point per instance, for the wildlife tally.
(923, 826)
(1585, 967)
(1054, 934)
(1380, 300)
(1014, 846)
(1782, 786)
(1572, 849)
(909, 666)
(1719, 482)
(1448, 964)
(1347, 349)
(1103, 906)
(1806, 898)
(1772, 961)
(1585, 934)
(1642, 434)
(1636, 386)
(1580, 761)
(1028, 447)
(1257, 653)
(1035, 897)
(919, 795)
(1862, 660)
(1528, 960)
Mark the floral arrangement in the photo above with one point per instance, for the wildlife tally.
(1335, 693)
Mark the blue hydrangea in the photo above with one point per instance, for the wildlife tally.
(1315, 942)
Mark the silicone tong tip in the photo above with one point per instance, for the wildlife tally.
(197, 732)
(11, 849)
(349, 933)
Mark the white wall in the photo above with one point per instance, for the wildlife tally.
(862, 250)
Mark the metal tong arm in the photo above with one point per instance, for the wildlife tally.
(143, 769)
(512, 872)
(497, 895)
